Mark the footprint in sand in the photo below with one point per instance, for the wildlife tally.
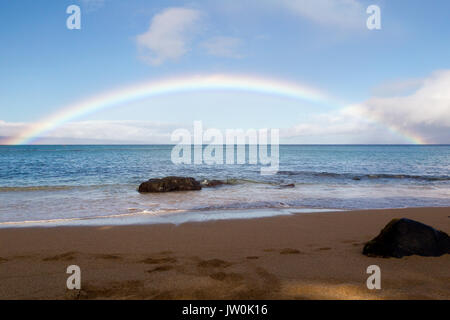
(62, 257)
(283, 251)
(160, 269)
(252, 257)
(223, 276)
(159, 260)
(213, 263)
(22, 257)
(3, 260)
(108, 256)
(289, 251)
(324, 249)
(131, 289)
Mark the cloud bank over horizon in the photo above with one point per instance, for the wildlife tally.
(424, 113)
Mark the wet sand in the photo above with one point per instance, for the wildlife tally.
(302, 256)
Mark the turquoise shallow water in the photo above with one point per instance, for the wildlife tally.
(41, 183)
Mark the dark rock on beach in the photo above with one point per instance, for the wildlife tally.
(405, 237)
(168, 184)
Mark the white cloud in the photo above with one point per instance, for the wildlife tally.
(227, 47)
(340, 126)
(323, 128)
(8, 129)
(423, 113)
(169, 35)
(345, 14)
(426, 111)
(338, 122)
(145, 132)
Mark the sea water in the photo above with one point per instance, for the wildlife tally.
(78, 183)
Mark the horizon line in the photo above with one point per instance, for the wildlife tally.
(239, 144)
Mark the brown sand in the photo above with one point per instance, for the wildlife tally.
(304, 256)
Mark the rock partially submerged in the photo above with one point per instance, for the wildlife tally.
(405, 237)
(168, 184)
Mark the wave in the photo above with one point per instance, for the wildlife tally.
(407, 176)
(248, 205)
(365, 176)
(160, 213)
(36, 188)
(235, 181)
(240, 181)
(58, 187)
(100, 186)
(108, 216)
(171, 215)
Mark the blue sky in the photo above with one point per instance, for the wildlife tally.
(394, 73)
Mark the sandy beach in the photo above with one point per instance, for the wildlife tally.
(301, 256)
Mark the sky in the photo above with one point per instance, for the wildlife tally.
(388, 85)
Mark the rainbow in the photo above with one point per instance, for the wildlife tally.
(171, 86)
(408, 135)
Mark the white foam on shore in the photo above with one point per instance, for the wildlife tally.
(167, 217)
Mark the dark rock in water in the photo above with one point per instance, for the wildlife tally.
(405, 237)
(290, 185)
(356, 178)
(168, 184)
(212, 183)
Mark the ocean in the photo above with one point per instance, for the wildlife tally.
(97, 184)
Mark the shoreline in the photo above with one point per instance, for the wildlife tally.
(297, 256)
(179, 217)
(173, 217)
